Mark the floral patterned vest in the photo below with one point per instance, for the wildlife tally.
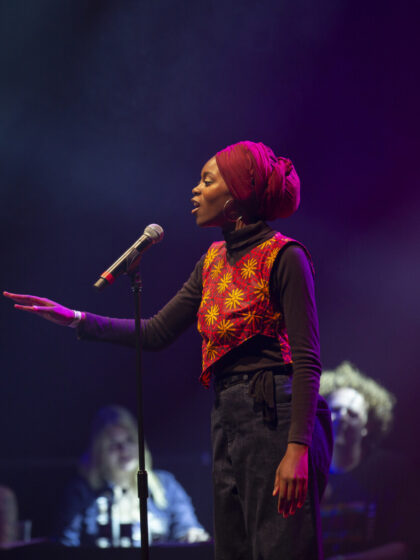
(235, 303)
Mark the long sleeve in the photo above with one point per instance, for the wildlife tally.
(157, 332)
(294, 285)
(75, 511)
(180, 507)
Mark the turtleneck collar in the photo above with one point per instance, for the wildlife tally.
(241, 240)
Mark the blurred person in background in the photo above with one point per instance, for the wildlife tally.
(8, 517)
(101, 506)
(366, 506)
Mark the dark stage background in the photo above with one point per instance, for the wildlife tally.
(108, 110)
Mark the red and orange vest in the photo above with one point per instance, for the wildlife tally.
(235, 303)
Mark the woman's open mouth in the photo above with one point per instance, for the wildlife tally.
(196, 206)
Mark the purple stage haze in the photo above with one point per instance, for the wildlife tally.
(108, 112)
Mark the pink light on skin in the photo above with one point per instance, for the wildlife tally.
(210, 197)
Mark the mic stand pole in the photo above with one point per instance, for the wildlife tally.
(142, 488)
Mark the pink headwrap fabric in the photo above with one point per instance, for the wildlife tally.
(266, 186)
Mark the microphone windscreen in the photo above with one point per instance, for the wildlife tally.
(155, 232)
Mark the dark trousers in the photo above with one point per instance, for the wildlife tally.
(246, 454)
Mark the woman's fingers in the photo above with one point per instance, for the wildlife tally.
(18, 297)
(46, 312)
(287, 499)
(301, 492)
(59, 315)
(282, 494)
(43, 307)
(281, 490)
(291, 480)
(30, 308)
(291, 495)
(38, 309)
(291, 498)
(26, 299)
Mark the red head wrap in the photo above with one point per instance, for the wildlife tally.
(266, 186)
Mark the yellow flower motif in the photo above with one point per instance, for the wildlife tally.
(212, 314)
(225, 328)
(211, 350)
(224, 282)
(262, 290)
(211, 255)
(271, 258)
(216, 269)
(251, 317)
(249, 268)
(266, 243)
(204, 297)
(274, 316)
(234, 299)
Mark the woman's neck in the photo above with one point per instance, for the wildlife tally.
(234, 226)
(123, 480)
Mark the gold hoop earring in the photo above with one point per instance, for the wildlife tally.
(231, 213)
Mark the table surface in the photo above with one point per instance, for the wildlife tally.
(47, 551)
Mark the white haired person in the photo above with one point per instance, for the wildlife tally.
(366, 506)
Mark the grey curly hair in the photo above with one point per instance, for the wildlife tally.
(380, 401)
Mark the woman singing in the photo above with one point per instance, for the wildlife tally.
(252, 296)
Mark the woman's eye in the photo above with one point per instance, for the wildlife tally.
(207, 183)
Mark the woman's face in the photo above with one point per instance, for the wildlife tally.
(119, 451)
(210, 196)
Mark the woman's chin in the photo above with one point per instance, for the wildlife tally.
(199, 221)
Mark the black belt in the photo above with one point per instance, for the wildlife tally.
(261, 388)
(229, 380)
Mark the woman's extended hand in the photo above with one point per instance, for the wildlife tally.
(291, 482)
(43, 307)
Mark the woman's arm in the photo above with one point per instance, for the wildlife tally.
(45, 308)
(293, 288)
(76, 504)
(157, 332)
(296, 289)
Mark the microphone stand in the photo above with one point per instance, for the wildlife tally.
(142, 487)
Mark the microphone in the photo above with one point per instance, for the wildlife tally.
(152, 234)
